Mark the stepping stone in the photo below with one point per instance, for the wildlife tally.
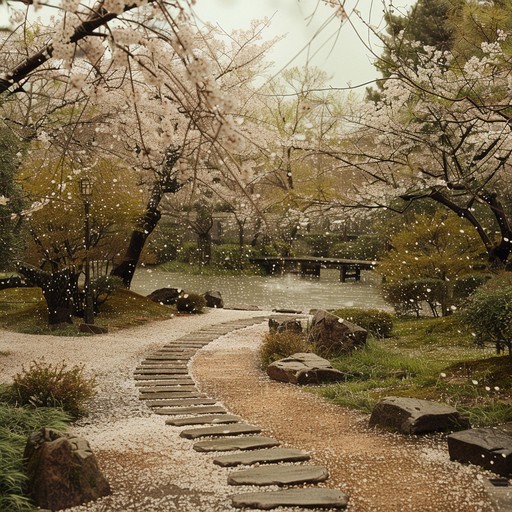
(163, 357)
(183, 402)
(303, 498)
(182, 381)
(235, 429)
(195, 410)
(158, 396)
(279, 475)
(262, 456)
(237, 443)
(164, 403)
(162, 371)
(165, 367)
(208, 419)
(175, 388)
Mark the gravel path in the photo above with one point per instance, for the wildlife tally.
(151, 468)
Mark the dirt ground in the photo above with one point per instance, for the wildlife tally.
(380, 471)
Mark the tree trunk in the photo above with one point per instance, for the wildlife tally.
(57, 290)
(205, 247)
(126, 269)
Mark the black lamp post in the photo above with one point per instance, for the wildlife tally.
(86, 192)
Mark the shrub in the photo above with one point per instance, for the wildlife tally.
(231, 256)
(406, 296)
(103, 287)
(489, 313)
(365, 247)
(377, 323)
(47, 385)
(190, 303)
(465, 285)
(277, 345)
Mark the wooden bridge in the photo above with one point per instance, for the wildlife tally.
(309, 266)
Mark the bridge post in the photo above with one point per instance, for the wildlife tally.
(310, 269)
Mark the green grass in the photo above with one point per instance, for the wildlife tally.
(24, 310)
(432, 359)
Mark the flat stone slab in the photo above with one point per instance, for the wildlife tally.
(208, 419)
(279, 475)
(198, 409)
(304, 368)
(269, 456)
(235, 429)
(182, 402)
(490, 448)
(162, 371)
(159, 376)
(237, 443)
(414, 416)
(305, 498)
(182, 381)
(147, 392)
(169, 401)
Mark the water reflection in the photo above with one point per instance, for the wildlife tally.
(287, 291)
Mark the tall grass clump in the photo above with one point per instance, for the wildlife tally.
(378, 323)
(16, 424)
(53, 385)
(278, 345)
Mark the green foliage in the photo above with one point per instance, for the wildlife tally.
(378, 323)
(47, 385)
(467, 284)
(278, 345)
(365, 247)
(103, 287)
(190, 303)
(321, 245)
(16, 424)
(231, 256)
(406, 296)
(489, 313)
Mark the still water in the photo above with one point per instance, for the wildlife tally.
(288, 291)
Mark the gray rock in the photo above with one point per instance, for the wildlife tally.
(181, 402)
(271, 455)
(195, 410)
(238, 443)
(302, 498)
(213, 299)
(332, 335)
(490, 448)
(208, 419)
(62, 470)
(284, 324)
(414, 416)
(304, 368)
(235, 429)
(279, 475)
(166, 296)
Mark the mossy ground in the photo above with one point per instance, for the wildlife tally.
(24, 310)
(433, 359)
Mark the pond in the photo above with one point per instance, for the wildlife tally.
(287, 291)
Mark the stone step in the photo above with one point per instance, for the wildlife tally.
(302, 498)
(236, 429)
(279, 475)
(237, 443)
(189, 345)
(182, 381)
(165, 395)
(269, 456)
(157, 358)
(209, 419)
(176, 396)
(195, 410)
(162, 371)
(181, 402)
(164, 367)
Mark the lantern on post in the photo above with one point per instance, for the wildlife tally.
(86, 187)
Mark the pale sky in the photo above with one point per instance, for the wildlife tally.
(341, 53)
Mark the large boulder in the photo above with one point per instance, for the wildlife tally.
(213, 299)
(490, 448)
(62, 470)
(166, 296)
(331, 335)
(414, 416)
(304, 368)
